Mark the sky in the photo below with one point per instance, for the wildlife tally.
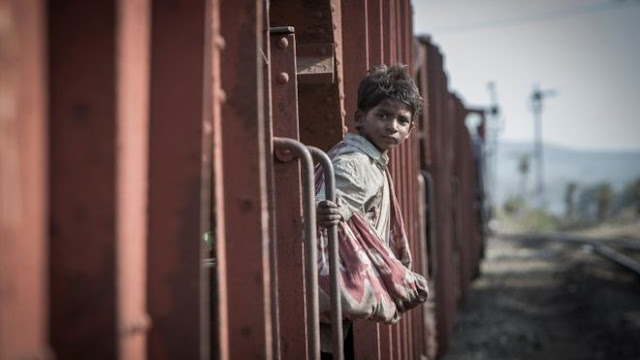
(586, 51)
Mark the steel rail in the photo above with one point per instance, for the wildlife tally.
(311, 263)
(618, 257)
(332, 233)
(602, 249)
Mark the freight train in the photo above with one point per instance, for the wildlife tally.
(130, 128)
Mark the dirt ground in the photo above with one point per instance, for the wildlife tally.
(544, 300)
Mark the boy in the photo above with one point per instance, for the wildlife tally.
(375, 278)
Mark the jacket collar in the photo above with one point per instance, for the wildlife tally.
(366, 147)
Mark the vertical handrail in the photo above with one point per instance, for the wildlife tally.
(332, 233)
(311, 263)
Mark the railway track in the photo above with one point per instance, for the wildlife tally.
(623, 251)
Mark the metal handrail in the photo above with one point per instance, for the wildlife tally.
(309, 212)
(332, 234)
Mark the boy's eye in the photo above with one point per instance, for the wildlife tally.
(383, 115)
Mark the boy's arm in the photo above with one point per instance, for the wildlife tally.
(354, 187)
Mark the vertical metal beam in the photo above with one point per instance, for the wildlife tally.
(245, 183)
(386, 348)
(367, 340)
(131, 182)
(424, 126)
(375, 28)
(218, 308)
(355, 53)
(23, 172)
(388, 19)
(265, 50)
(175, 170)
(82, 113)
(290, 275)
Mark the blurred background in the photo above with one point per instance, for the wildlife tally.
(560, 83)
(569, 68)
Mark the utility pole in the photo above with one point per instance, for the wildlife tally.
(537, 99)
(494, 126)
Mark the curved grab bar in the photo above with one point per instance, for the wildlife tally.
(332, 233)
(311, 250)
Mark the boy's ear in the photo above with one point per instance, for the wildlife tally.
(357, 116)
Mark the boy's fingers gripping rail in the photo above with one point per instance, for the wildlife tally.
(328, 214)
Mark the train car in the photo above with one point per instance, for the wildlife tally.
(131, 128)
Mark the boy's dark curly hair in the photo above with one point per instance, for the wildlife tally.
(389, 83)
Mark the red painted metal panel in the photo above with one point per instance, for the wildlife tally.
(82, 113)
(375, 28)
(355, 53)
(367, 339)
(388, 23)
(245, 183)
(23, 208)
(131, 220)
(290, 276)
(462, 137)
(441, 170)
(425, 129)
(321, 101)
(175, 276)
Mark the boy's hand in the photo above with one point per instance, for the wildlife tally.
(327, 213)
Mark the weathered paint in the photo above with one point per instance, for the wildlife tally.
(288, 240)
(245, 182)
(131, 182)
(321, 101)
(212, 215)
(23, 174)
(82, 188)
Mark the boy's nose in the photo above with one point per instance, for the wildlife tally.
(392, 125)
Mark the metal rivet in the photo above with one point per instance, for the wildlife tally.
(138, 325)
(283, 155)
(283, 43)
(220, 42)
(283, 78)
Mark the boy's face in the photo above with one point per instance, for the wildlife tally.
(386, 125)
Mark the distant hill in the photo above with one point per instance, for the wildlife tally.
(561, 166)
